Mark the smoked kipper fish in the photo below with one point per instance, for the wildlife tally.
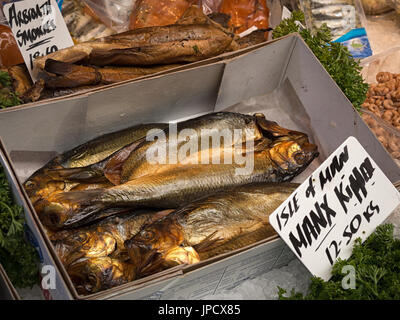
(91, 275)
(20, 78)
(44, 181)
(104, 238)
(177, 186)
(214, 225)
(191, 39)
(68, 75)
(132, 161)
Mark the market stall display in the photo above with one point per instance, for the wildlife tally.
(133, 182)
(381, 107)
(115, 225)
(126, 56)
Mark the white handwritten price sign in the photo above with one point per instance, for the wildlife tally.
(38, 28)
(346, 198)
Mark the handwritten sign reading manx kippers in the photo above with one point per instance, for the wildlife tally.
(38, 27)
(346, 198)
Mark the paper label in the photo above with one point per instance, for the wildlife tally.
(346, 198)
(38, 28)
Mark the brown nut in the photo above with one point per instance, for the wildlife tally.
(395, 154)
(373, 108)
(388, 115)
(383, 77)
(396, 95)
(388, 104)
(385, 91)
(396, 121)
(394, 144)
(391, 85)
(383, 141)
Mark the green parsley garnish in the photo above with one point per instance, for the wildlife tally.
(335, 57)
(377, 266)
(18, 257)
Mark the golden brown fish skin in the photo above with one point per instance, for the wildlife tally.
(21, 79)
(213, 225)
(53, 177)
(68, 75)
(175, 256)
(176, 43)
(176, 187)
(104, 238)
(137, 164)
(91, 275)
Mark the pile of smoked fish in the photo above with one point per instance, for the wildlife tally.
(129, 55)
(115, 215)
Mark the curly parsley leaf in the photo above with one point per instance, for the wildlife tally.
(335, 57)
(8, 98)
(18, 257)
(377, 266)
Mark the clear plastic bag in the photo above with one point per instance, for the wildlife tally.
(381, 110)
(341, 16)
(246, 14)
(211, 6)
(9, 51)
(387, 61)
(114, 14)
(149, 13)
(386, 134)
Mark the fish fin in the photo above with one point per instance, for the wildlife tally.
(207, 242)
(83, 174)
(273, 130)
(113, 168)
(91, 217)
(77, 197)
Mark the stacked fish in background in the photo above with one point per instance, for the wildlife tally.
(340, 16)
(81, 25)
(114, 216)
(112, 58)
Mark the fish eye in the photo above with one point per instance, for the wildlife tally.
(299, 157)
(147, 235)
(30, 184)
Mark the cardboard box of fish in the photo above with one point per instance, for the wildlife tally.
(162, 188)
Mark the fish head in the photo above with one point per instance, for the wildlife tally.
(173, 257)
(42, 186)
(155, 239)
(96, 274)
(293, 156)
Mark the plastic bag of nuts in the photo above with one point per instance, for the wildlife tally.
(386, 134)
(382, 111)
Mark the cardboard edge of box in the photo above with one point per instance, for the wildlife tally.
(170, 273)
(220, 58)
(8, 285)
(180, 270)
(26, 204)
